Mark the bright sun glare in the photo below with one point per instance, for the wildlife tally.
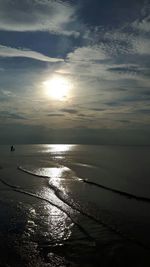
(57, 88)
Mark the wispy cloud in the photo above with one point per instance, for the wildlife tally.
(11, 115)
(108, 65)
(69, 110)
(112, 55)
(6, 93)
(142, 25)
(88, 54)
(55, 115)
(36, 15)
(18, 52)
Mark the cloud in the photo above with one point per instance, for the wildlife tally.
(55, 115)
(6, 51)
(36, 15)
(6, 93)
(141, 46)
(96, 61)
(112, 56)
(88, 54)
(110, 68)
(143, 25)
(98, 109)
(145, 111)
(86, 61)
(69, 110)
(11, 115)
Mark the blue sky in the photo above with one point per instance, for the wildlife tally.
(99, 50)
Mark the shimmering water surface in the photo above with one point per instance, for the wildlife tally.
(74, 205)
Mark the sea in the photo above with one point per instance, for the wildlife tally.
(74, 205)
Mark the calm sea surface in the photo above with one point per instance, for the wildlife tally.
(74, 205)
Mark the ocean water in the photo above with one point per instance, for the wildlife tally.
(74, 205)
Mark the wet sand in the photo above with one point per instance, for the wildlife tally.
(52, 221)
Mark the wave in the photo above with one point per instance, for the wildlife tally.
(81, 228)
(100, 221)
(67, 200)
(123, 193)
(114, 190)
(117, 191)
(19, 190)
(48, 177)
(85, 165)
(32, 173)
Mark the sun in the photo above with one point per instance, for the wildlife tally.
(57, 88)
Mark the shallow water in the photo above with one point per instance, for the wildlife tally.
(74, 205)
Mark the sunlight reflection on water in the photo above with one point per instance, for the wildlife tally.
(58, 223)
(56, 174)
(53, 223)
(57, 148)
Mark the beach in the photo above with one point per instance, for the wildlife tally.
(74, 205)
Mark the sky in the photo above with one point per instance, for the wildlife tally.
(75, 71)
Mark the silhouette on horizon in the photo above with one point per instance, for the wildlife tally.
(12, 148)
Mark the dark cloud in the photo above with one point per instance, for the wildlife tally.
(82, 115)
(69, 110)
(144, 111)
(113, 103)
(124, 69)
(55, 115)
(98, 109)
(11, 115)
(125, 121)
(146, 93)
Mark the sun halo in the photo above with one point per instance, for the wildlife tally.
(57, 88)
